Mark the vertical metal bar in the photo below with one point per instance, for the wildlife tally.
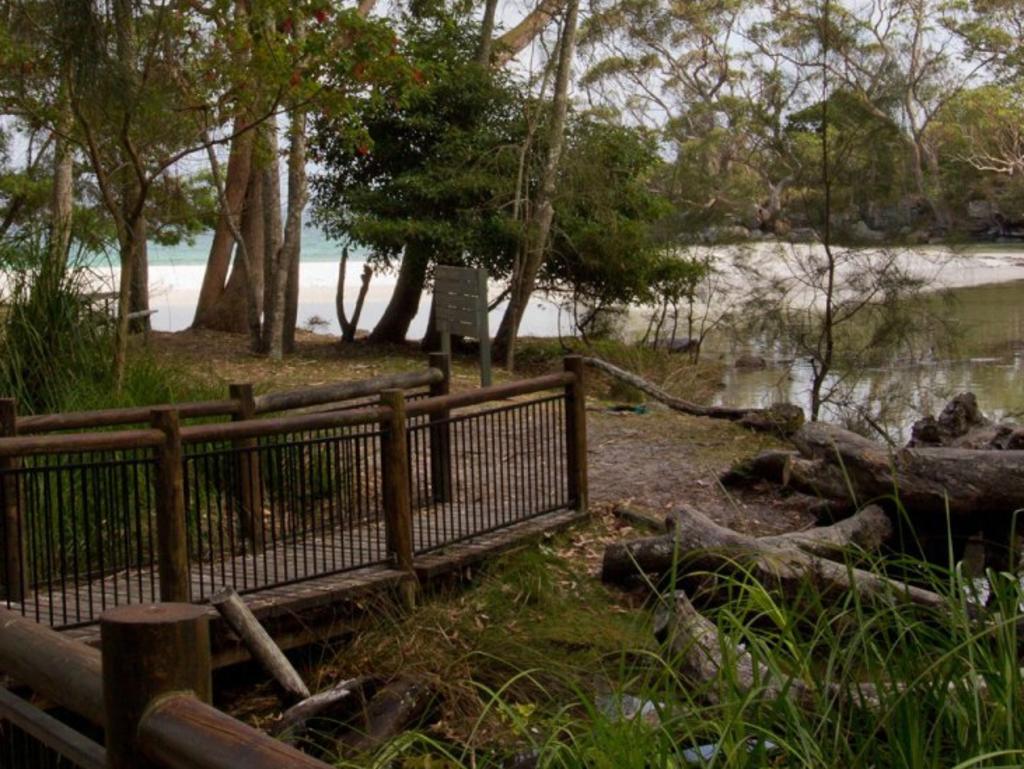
(440, 439)
(576, 433)
(483, 329)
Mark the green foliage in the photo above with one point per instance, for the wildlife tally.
(868, 157)
(432, 163)
(604, 249)
(982, 147)
(55, 343)
(950, 692)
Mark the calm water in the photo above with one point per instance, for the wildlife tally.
(988, 360)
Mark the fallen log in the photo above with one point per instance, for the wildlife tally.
(868, 529)
(259, 643)
(783, 418)
(772, 466)
(398, 706)
(927, 481)
(711, 662)
(329, 705)
(696, 544)
(639, 517)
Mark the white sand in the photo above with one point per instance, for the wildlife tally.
(174, 289)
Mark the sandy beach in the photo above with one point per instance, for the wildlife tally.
(174, 288)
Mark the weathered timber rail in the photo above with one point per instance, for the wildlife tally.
(144, 700)
(295, 510)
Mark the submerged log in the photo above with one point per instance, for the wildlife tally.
(783, 418)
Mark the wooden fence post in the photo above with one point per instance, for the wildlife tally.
(171, 535)
(249, 494)
(149, 650)
(576, 433)
(440, 433)
(397, 489)
(13, 573)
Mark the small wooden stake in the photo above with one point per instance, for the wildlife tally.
(260, 644)
(149, 650)
(13, 573)
(576, 433)
(172, 541)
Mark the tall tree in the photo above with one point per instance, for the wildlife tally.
(524, 276)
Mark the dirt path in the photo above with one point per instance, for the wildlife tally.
(662, 458)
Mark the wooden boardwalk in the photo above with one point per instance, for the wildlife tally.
(307, 574)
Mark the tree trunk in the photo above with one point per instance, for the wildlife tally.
(236, 185)
(783, 418)
(400, 705)
(129, 245)
(230, 312)
(139, 301)
(288, 255)
(715, 665)
(291, 301)
(62, 200)
(483, 53)
(273, 230)
(393, 327)
(523, 283)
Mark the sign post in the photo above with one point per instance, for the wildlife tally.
(460, 306)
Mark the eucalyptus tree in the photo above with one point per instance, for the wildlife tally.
(901, 58)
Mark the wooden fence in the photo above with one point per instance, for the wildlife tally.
(174, 511)
(258, 501)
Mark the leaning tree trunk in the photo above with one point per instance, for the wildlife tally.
(236, 185)
(393, 326)
(783, 418)
(231, 311)
(523, 284)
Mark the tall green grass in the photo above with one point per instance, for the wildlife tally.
(950, 690)
(56, 341)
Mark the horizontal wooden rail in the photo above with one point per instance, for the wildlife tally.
(486, 394)
(177, 731)
(81, 420)
(72, 442)
(256, 428)
(60, 669)
(34, 424)
(180, 732)
(58, 736)
(342, 391)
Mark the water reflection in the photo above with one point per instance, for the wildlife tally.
(986, 358)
